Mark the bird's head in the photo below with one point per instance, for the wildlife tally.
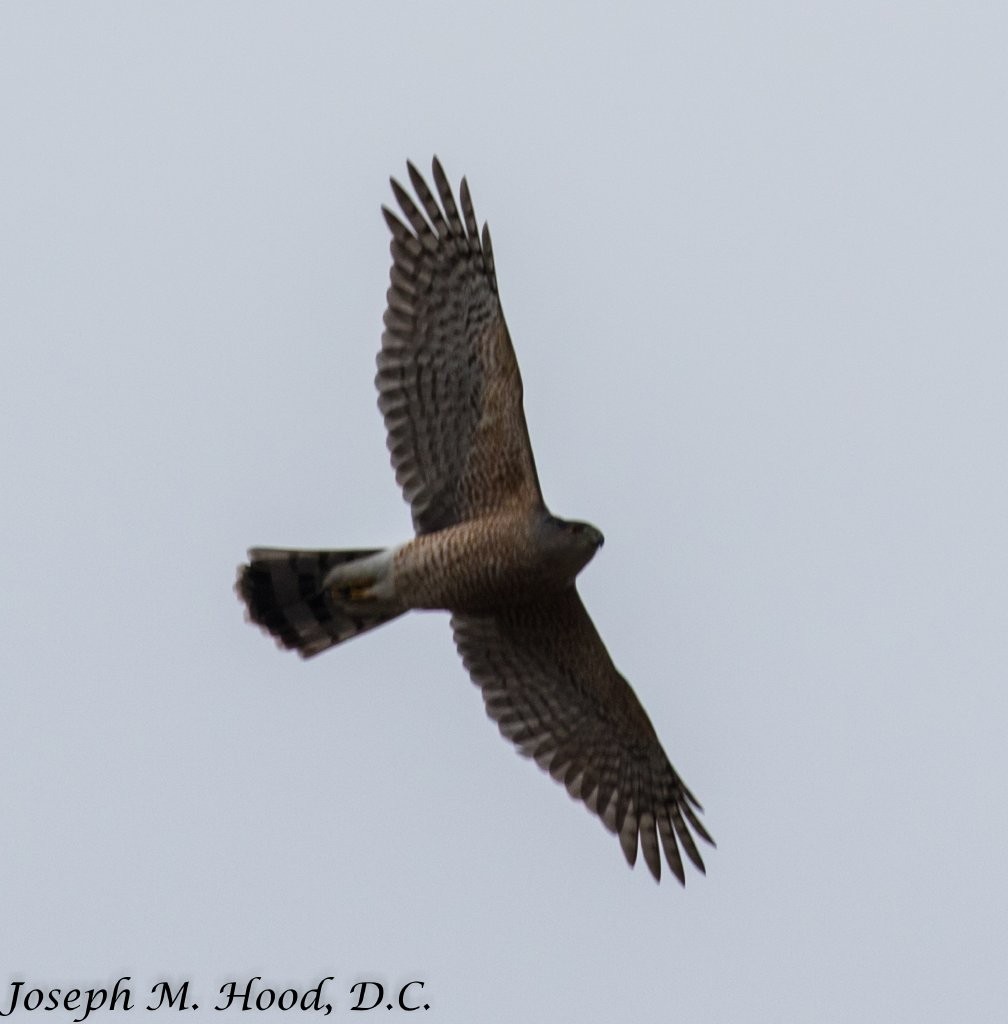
(569, 544)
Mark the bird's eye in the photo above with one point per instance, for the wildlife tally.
(577, 527)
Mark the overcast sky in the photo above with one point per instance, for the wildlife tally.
(753, 259)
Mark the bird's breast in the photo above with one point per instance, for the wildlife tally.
(473, 566)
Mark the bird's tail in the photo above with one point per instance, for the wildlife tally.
(311, 600)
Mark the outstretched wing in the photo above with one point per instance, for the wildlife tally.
(448, 381)
(553, 690)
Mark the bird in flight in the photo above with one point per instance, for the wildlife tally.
(486, 547)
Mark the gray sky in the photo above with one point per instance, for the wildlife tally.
(753, 259)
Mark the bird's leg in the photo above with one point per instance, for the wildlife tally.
(366, 579)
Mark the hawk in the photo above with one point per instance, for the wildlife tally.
(486, 547)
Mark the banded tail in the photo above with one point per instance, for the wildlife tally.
(292, 595)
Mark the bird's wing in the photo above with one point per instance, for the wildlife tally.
(448, 381)
(553, 690)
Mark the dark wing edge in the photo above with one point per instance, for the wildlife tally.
(550, 685)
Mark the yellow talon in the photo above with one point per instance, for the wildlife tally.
(352, 592)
